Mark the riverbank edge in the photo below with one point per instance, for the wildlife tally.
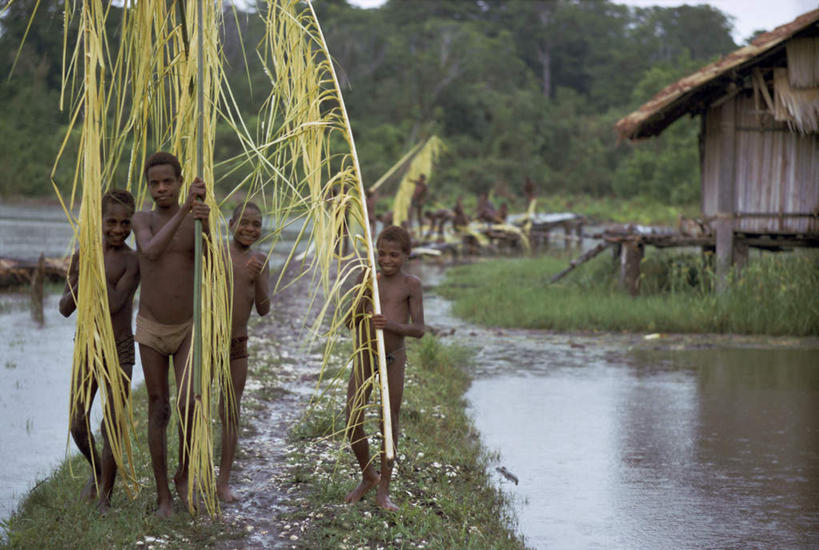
(771, 298)
(442, 482)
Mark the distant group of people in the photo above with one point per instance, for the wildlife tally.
(162, 266)
(436, 220)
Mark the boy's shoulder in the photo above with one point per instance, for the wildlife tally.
(410, 281)
(142, 216)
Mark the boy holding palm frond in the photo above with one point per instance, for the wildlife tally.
(122, 278)
(165, 242)
(402, 315)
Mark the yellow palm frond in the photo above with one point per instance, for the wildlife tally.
(422, 163)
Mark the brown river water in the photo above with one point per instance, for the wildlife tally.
(616, 441)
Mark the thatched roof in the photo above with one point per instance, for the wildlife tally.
(694, 92)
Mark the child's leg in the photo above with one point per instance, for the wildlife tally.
(82, 435)
(395, 378)
(229, 414)
(155, 369)
(185, 400)
(358, 394)
(109, 465)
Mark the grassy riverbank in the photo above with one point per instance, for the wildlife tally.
(441, 482)
(775, 294)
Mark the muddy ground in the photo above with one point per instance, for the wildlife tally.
(282, 377)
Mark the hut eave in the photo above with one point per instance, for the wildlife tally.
(693, 92)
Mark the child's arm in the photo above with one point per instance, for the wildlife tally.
(123, 292)
(257, 265)
(153, 245)
(415, 328)
(68, 300)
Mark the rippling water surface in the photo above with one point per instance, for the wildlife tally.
(622, 442)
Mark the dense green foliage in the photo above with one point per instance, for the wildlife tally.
(775, 295)
(516, 88)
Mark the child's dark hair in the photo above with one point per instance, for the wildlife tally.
(398, 235)
(120, 197)
(241, 207)
(161, 157)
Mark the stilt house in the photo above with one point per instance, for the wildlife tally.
(759, 139)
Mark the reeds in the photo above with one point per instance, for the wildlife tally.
(138, 95)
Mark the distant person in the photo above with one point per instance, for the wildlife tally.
(165, 242)
(419, 198)
(529, 190)
(459, 218)
(502, 213)
(485, 210)
(250, 287)
(122, 278)
(402, 315)
(437, 221)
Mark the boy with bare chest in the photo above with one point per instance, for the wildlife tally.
(402, 315)
(165, 242)
(122, 278)
(250, 286)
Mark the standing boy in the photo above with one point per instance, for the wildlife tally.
(419, 198)
(250, 278)
(122, 279)
(402, 315)
(165, 243)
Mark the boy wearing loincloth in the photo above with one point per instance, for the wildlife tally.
(165, 245)
(122, 278)
(402, 315)
(250, 286)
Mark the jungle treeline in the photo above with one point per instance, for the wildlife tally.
(515, 88)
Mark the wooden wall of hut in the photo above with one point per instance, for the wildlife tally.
(774, 180)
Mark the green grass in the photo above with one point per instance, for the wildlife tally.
(52, 515)
(440, 480)
(775, 294)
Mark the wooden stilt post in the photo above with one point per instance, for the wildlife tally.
(724, 222)
(37, 277)
(630, 258)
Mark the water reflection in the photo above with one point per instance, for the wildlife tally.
(703, 443)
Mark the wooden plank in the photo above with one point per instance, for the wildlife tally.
(583, 258)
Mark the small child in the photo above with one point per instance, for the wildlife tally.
(122, 276)
(402, 315)
(250, 286)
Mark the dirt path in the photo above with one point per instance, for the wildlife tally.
(279, 386)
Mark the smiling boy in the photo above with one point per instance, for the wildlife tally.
(250, 286)
(165, 244)
(402, 315)
(122, 278)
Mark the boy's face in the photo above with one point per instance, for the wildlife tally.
(116, 224)
(248, 229)
(390, 257)
(163, 185)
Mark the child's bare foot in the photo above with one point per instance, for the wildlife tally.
(382, 499)
(89, 492)
(182, 491)
(164, 509)
(363, 488)
(226, 495)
